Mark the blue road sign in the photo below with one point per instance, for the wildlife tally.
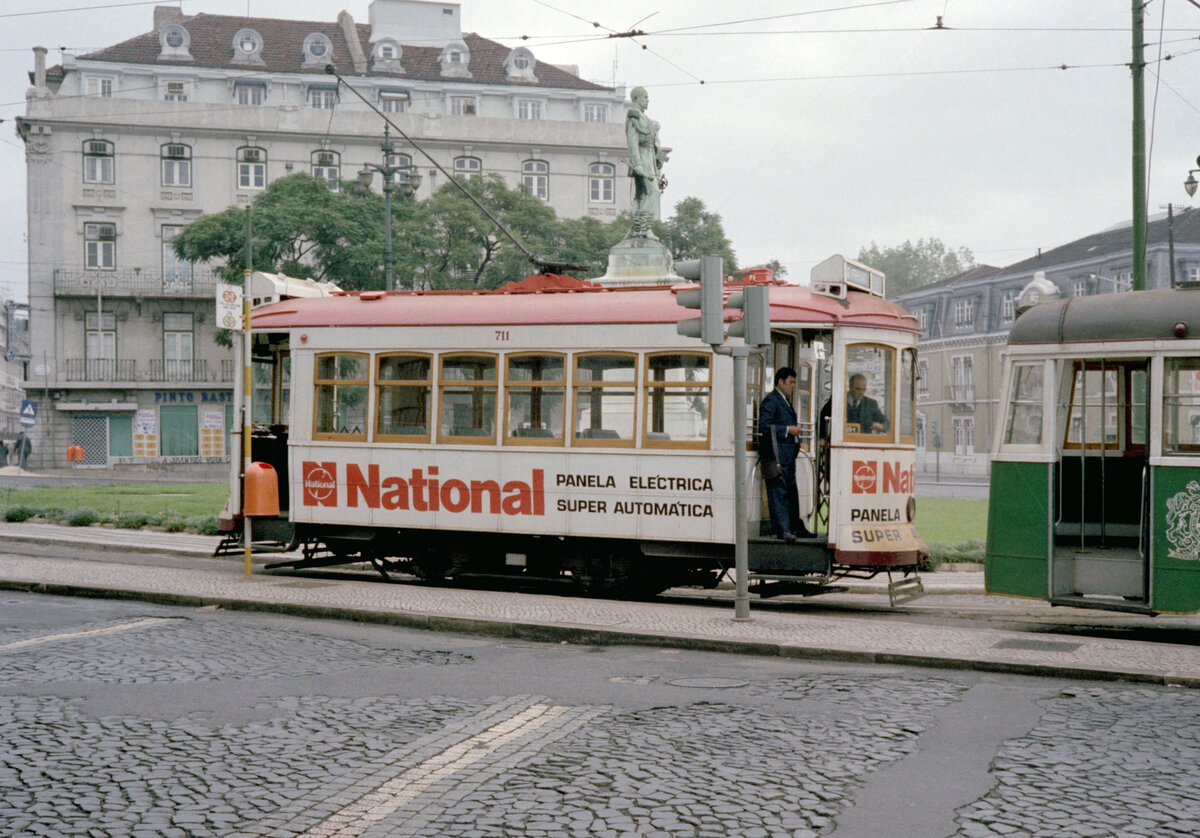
(28, 413)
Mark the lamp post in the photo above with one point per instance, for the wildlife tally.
(406, 177)
(1189, 185)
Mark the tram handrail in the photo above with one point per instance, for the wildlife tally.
(1142, 515)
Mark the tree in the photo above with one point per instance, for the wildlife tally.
(908, 266)
(693, 232)
(303, 229)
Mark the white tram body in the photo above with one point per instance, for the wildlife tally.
(498, 432)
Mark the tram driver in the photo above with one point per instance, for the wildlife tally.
(861, 410)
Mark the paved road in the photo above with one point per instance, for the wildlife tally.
(132, 719)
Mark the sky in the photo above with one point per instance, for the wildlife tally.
(812, 127)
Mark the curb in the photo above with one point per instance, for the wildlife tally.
(600, 637)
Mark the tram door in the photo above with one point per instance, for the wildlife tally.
(1101, 525)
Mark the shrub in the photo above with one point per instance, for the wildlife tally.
(203, 524)
(83, 517)
(173, 523)
(16, 514)
(132, 520)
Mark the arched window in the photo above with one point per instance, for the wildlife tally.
(318, 49)
(252, 168)
(601, 180)
(535, 177)
(176, 165)
(247, 47)
(467, 166)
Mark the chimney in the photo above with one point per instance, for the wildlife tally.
(39, 67)
(164, 15)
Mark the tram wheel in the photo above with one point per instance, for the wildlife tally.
(431, 566)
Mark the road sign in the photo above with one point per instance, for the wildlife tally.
(229, 307)
(28, 413)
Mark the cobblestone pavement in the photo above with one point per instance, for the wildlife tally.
(128, 719)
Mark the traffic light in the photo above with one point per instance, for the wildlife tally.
(755, 325)
(709, 298)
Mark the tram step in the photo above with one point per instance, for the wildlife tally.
(905, 590)
(791, 558)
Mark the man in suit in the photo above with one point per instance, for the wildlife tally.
(863, 409)
(777, 419)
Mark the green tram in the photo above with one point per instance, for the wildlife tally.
(1095, 486)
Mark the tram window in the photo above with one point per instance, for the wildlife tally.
(906, 397)
(678, 393)
(341, 397)
(605, 395)
(1181, 406)
(868, 388)
(402, 395)
(467, 388)
(754, 396)
(1095, 408)
(1023, 425)
(535, 389)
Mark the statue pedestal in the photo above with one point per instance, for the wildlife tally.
(639, 261)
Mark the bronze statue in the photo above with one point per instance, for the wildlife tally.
(646, 159)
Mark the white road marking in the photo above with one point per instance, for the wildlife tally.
(382, 801)
(72, 635)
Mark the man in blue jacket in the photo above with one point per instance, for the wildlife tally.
(777, 419)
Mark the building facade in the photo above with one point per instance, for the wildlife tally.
(965, 322)
(127, 145)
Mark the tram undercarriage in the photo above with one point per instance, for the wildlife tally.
(606, 567)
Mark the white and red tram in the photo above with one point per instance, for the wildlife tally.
(558, 430)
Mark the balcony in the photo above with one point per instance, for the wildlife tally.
(135, 282)
(961, 396)
(158, 371)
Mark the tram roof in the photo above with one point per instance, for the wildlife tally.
(1134, 315)
(587, 305)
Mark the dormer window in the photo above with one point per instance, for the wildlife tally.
(519, 65)
(174, 41)
(455, 60)
(318, 50)
(247, 47)
(385, 57)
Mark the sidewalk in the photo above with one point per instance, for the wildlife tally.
(115, 569)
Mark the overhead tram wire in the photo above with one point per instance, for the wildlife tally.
(535, 260)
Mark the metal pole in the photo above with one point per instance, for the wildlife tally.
(1171, 240)
(741, 560)
(387, 170)
(1137, 65)
(247, 383)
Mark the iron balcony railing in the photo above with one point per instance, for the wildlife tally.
(136, 282)
(195, 371)
(961, 393)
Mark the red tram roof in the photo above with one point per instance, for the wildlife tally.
(525, 304)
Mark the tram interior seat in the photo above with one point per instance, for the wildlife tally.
(542, 433)
(658, 435)
(599, 433)
(1122, 487)
(460, 431)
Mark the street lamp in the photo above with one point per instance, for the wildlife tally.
(1190, 184)
(406, 177)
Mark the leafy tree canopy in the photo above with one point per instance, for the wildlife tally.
(693, 232)
(908, 266)
(303, 229)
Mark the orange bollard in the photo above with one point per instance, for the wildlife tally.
(262, 491)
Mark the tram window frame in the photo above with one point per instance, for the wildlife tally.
(321, 385)
(755, 376)
(600, 385)
(448, 386)
(1123, 440)
(535, 388)
(383, 385)
(656, 393)
(887, 404)
(1022, 399)
(906, 393)
(1171, 404)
